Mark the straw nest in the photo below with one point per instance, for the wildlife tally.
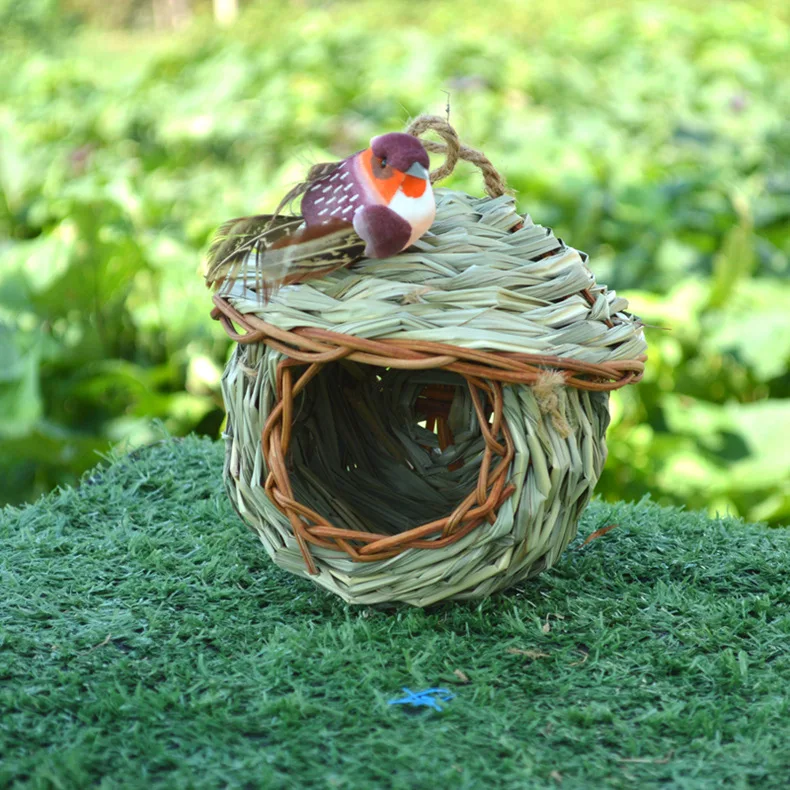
(429, 426)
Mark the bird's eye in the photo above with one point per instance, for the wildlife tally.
(384, 162)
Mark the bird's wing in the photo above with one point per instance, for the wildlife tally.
(263, 255)
(385, 232)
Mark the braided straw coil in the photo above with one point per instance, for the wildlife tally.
(429, 426)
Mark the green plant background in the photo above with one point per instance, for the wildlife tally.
(653, 136)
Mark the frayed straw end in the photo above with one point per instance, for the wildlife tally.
(547, 394)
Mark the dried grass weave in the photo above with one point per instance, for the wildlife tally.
(429, 426)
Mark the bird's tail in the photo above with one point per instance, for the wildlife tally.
(262, 253)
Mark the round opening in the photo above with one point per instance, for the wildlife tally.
(384, 450)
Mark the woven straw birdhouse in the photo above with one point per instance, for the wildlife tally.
(432, 425)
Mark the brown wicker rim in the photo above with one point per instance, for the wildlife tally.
(484, 372)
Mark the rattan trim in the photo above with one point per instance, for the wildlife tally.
(311, 345)
(484, 373)
(311, 528)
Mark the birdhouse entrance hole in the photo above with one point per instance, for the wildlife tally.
(384, 451)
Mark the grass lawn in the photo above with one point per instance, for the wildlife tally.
(147, 641)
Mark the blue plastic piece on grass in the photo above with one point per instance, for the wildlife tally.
(424, 698)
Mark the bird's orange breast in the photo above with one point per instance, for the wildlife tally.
(413, 187)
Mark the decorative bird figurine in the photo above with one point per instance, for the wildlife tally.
(373, 204)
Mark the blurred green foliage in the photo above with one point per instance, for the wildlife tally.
(655, 137)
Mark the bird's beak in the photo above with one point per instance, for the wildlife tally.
(418, 171)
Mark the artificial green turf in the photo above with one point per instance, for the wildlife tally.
(147, 641)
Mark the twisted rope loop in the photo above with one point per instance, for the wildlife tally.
(453, 150)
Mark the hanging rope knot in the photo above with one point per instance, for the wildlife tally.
(453, 150)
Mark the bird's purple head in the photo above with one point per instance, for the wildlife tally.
(401, 151)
